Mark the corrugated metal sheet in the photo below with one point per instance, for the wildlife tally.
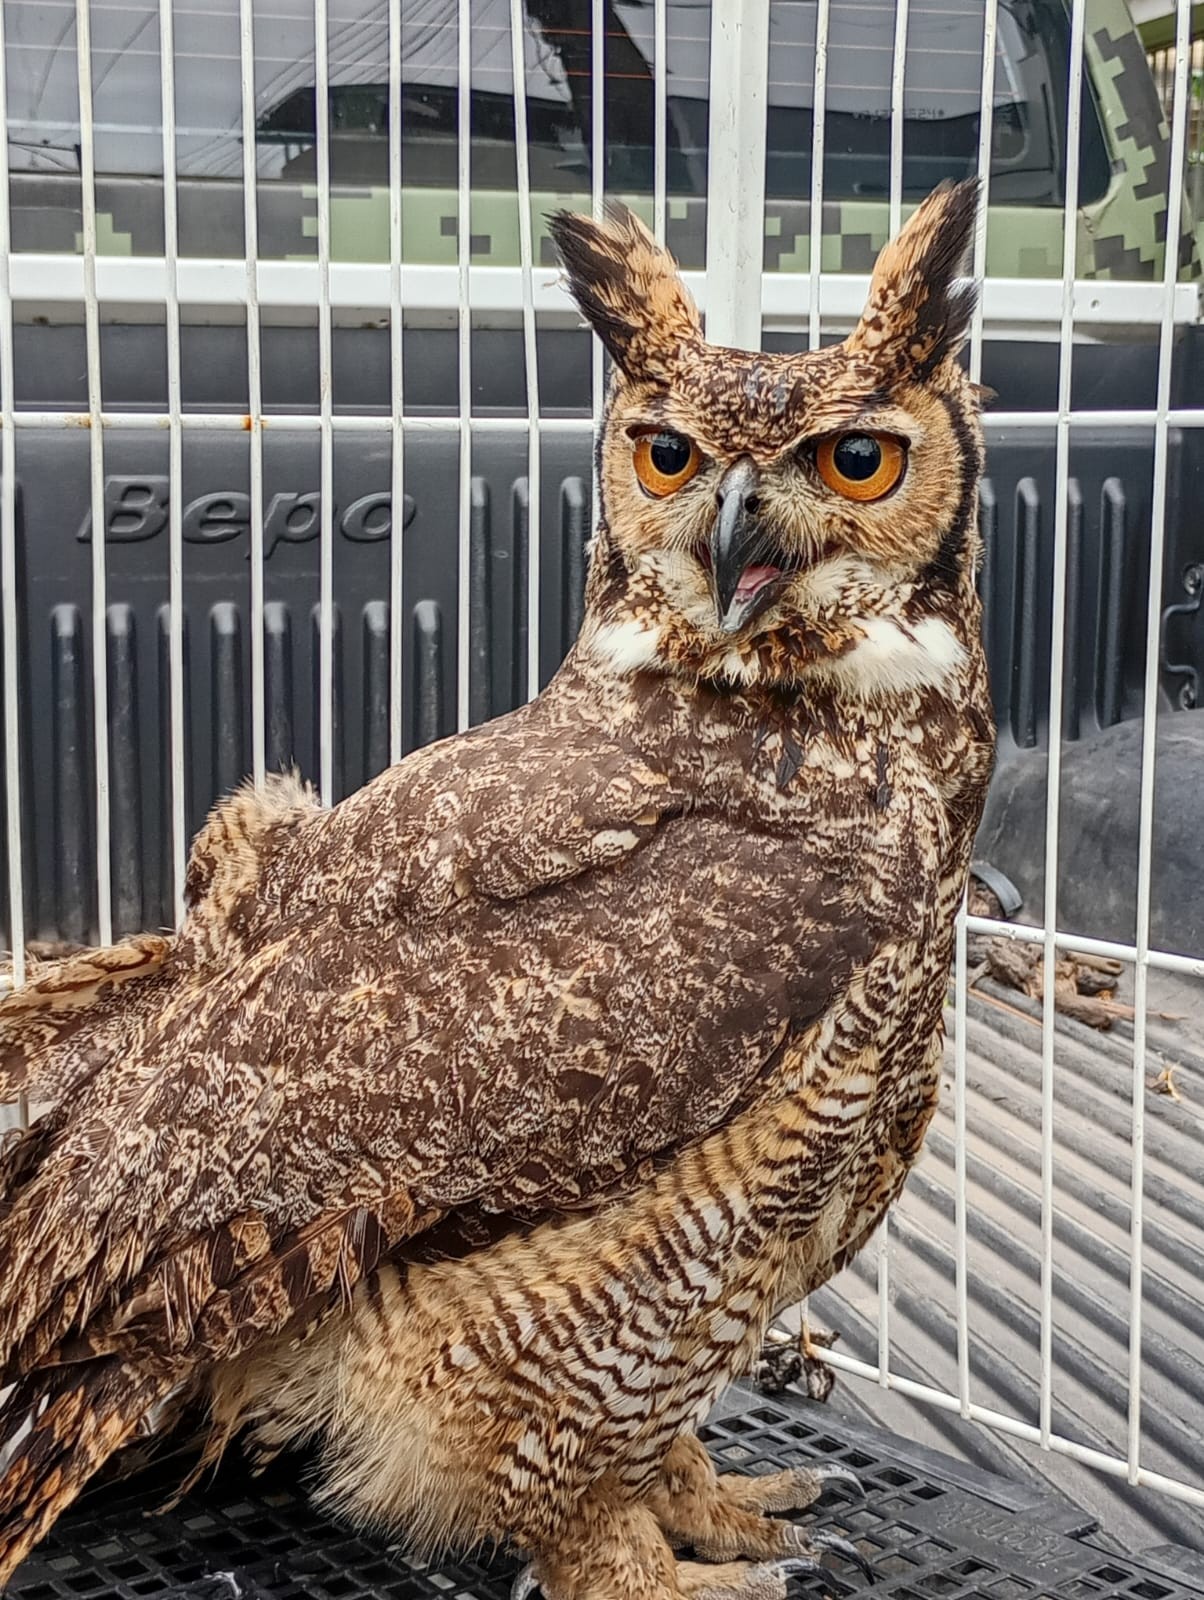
(1091, 1258)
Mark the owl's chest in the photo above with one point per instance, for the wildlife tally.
(906, 1053)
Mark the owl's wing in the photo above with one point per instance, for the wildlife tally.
(579, 975)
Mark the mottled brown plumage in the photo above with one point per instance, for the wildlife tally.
(474, 1129)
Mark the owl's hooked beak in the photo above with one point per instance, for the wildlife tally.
(748, 570)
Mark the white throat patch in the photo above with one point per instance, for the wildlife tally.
(896, 656)
(625, 647)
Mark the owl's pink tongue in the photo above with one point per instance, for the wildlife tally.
(752, 579)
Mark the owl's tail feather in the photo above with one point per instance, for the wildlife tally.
(56, 1430)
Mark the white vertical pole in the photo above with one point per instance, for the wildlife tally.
(175, 449)
(897, 81)
(986, 125)
(8, 559)
(1176, 179)
(736, 172)
(1056, 672)
(325, 410)
(986, 115)
(250, 216)
(884, 1302)
(818, 118)
(518, 72)
(660, 115)
(597, 78)
(396, 399)
(960, 986)
(100, 686)
(464, 324)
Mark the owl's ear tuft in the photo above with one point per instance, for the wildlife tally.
(919, 308)
(628, 289)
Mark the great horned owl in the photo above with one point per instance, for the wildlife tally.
(473, 1130)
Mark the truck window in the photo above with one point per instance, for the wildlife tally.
(941, 111)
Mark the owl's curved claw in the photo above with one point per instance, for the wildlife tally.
(812, 1546)
(843, 1547)
(831, 1472)
(525, 1584)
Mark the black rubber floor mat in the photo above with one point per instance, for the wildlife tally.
(929, 1526)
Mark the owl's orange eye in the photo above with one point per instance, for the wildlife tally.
(861, 466)
(665, 461)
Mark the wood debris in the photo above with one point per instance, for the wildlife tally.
(1084, 985)
(796, 1359)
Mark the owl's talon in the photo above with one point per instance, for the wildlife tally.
(784, 1567)
(809, 1547)
(838, 1546)
(796, 1566)
(832, 1472)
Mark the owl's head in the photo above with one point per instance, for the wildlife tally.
(779, 519)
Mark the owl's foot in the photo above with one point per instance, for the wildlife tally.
(762, 1580)
(722, 1517)
(694, 1580)
(618, 1549)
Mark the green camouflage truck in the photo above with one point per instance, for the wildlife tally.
(1123, 152)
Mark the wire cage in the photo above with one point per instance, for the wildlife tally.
(282, 243)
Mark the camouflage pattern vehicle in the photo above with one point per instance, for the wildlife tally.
(1123, 152)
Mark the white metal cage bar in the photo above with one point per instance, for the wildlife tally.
(464, 338)
(898, 80)
(898, 76)
(1083, 944)
(8, 564)
(660, 117)
(419, 422)
(530, 345)
(1150, 729)
(739, 75)
(250, 281)
(986, 128)
(1103, 1461)
(397, 680)
(326, 640)
(175, 462)
(597, 178)
(1070, 217)
(100, 654)
(819, 107)
(789, 299)
(961, 972)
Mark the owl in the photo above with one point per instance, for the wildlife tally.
(469, 1133)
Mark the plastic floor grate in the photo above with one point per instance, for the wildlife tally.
(930, 1527)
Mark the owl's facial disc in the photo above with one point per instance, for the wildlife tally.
(769, 517)
(748, 567)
